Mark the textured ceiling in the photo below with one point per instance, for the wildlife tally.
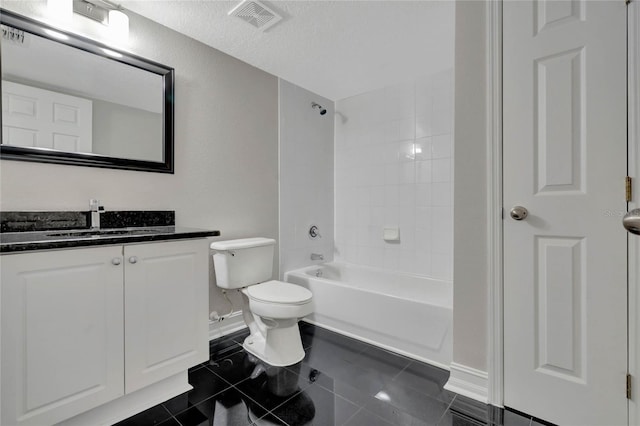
(336, 49)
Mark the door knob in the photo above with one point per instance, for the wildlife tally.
(116, 261)
(519, 213)
(133, 259)
(631, 221)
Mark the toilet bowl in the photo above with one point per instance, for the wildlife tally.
(271, 309)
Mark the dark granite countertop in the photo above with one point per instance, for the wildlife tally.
(11, 242)
(26, 231)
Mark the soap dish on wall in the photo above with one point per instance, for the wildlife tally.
(391, 234)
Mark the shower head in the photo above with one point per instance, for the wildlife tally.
(322, 110)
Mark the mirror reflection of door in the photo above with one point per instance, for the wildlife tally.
(33, 117)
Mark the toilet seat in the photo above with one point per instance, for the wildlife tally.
(278, 300)
(278, 292)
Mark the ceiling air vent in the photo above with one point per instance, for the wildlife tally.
(256, 13)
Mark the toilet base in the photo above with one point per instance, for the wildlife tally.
(279, 347)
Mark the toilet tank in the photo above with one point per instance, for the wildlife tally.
(244, 262)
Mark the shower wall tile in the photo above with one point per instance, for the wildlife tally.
(423, 125)
(441, 170)
(441, 146)
(393, 168)
(307, 177)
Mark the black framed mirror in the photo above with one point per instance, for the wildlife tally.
(70, 100)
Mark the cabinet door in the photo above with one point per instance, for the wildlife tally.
(62, 333)
(166, 310)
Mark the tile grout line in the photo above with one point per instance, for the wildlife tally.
(167, 410)
(171, 415)
(194, 405)
(240, 349)
(360, 408)
(400, 372)
(276, 416)
(287, 400)
(222, 378)
(447, 409)
(259, 404)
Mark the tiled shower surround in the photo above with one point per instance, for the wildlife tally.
(393, 168)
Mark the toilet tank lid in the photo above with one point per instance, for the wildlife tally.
(243, 243)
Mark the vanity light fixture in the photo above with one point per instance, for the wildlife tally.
(106, 13)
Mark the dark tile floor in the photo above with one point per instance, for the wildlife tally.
(341, 381)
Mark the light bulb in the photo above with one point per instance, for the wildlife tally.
(60, 10)
(119, 25)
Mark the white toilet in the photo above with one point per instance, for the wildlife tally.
(271, 309)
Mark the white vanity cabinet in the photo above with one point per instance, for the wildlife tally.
(85, 326)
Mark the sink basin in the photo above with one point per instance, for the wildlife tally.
(102, 232)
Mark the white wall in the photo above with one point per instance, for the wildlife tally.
(470, 290)
(394, 169)
(306, 177)
(226, 144)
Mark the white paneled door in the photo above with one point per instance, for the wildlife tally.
(565, 264)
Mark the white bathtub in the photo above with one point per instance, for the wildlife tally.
(407, 314)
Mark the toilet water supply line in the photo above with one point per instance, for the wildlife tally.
(213, 316)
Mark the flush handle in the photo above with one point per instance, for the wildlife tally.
(314, 232)
(519, 213)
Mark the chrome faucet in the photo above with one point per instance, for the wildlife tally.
(316, 256)
(96, 210)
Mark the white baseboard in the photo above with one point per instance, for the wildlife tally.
(233, 322)
(468, 382)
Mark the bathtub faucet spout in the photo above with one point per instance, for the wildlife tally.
(316, 256)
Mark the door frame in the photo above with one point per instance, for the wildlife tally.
(633, 82)
(495, 267)
(494, 123)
